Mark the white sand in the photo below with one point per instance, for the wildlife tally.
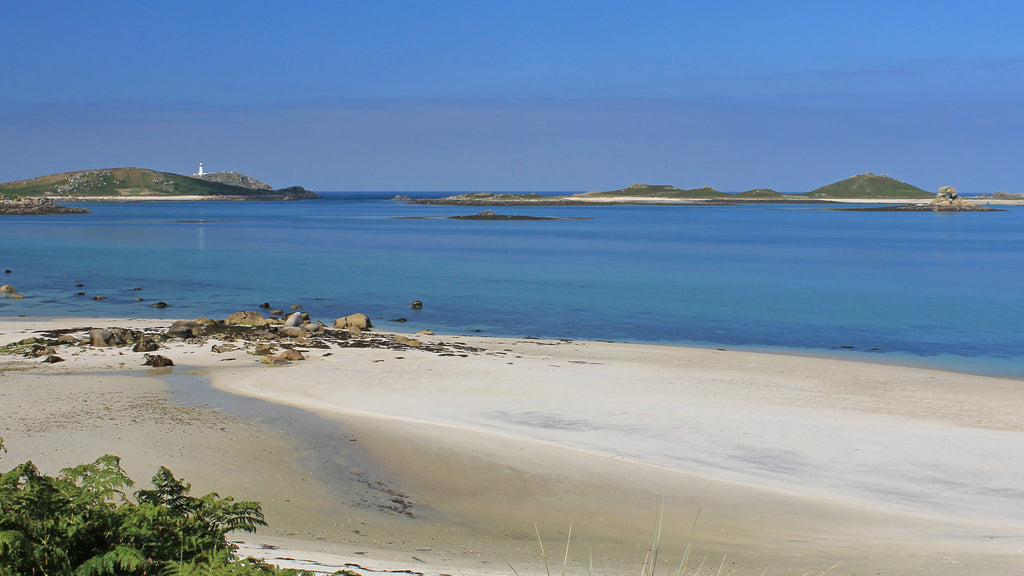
(804, 461)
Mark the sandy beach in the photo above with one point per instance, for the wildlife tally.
(450, 459)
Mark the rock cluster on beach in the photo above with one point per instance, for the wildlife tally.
(276, 341)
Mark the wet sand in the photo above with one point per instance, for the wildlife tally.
(408, 459)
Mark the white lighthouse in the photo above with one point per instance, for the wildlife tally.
(200, 173)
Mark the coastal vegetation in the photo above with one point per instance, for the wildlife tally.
(82, 522)
(141, 182)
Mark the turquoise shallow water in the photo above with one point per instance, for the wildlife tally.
(934, 289)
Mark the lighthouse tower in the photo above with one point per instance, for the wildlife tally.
(200, 173)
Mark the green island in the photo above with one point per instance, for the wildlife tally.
(141, 183)
(861, 188)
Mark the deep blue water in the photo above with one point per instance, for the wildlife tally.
(934, 289)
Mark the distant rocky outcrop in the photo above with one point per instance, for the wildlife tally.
(947, 200)
(35, 207)
(489, 215)
(235, 179)
(947, 197)
(1001, 195)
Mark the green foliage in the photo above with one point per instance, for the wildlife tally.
(81, 523)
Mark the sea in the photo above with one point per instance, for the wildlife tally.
(930, 289)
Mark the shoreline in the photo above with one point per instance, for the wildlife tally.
(803, 459)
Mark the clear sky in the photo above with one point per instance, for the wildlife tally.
(519, 95)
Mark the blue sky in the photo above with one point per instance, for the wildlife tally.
(474, 95)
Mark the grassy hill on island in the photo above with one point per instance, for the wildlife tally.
(140, 182)
(761, 194)
(869, 186)
(659, 191)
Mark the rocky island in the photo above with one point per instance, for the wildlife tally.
(145, 184)
(34, 207)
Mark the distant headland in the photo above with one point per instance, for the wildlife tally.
(143, 184)
(862, 188)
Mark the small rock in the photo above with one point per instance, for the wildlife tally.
(157, 361)
(99, 297)
(222, 348)
(291, 355)
(416, 305)
(159, 304)
(67, 339)
(296, 319)
(184, 329)
(292, 331)
(265, 305)
(262, 349)
(137, 299)
(295, 306)
(79, 285)
(426, 332)
(101, 337)
(7, 271)
(313, 327)
(407, 341)
(52, 359)
(7, 289)
(79, 293)
(136, 289)
(248, 317)
(17, 296)
(399, 320)
(277, 312)
(360, 321)
(28, 341)
(146, 346)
